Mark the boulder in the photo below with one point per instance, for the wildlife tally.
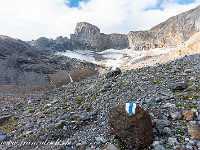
(114, 73)
(194, 130)
(135, 130)
(178, 86)
(188, 115)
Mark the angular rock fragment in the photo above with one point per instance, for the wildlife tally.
(136, 129)
(194, 130)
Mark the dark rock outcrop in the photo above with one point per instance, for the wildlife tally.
(136, 130)
(24, 68)
(113, 73)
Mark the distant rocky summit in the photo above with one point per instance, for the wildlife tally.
(89, 35)
(171, 33)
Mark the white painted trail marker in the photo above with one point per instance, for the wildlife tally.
(130, 108)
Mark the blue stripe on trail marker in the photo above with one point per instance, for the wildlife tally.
(131, 108)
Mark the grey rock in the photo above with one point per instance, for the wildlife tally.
(101, 139)
(3, 138)
(51, 126)
(167, 130)
(165, 123)
(176, 115)
(172, 141)
(159, 147)
(198, 117)
(28, 126)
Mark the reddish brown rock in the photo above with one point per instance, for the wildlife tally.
(188, 115)
(194, 130)
(136, 130)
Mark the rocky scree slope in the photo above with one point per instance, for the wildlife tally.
(24, 69)
(78, 112)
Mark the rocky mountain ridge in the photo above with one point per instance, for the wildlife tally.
(171, 33)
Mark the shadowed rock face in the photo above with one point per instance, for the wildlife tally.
(24, 69)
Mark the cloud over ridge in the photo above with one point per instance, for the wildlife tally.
(31, 19)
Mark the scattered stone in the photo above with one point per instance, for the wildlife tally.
(194, 130)
(136, 130)
(188, 115)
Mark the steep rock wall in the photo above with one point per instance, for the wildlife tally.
(89, 35)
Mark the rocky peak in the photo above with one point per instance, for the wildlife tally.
(90, 36)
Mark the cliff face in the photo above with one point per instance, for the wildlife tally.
(89, 35)
(172, 32)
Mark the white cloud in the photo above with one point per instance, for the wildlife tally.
(31, 19)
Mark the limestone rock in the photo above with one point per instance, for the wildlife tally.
(90, 36)
(136, 130)
(194, 130)
(172, 32)
(188, 115)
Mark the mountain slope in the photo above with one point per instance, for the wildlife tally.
(172, 32)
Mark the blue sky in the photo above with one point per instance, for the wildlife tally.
(31, 19)
(75, 3)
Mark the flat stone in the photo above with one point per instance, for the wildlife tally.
(165, 123)
(178, 86)
(159, 147)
